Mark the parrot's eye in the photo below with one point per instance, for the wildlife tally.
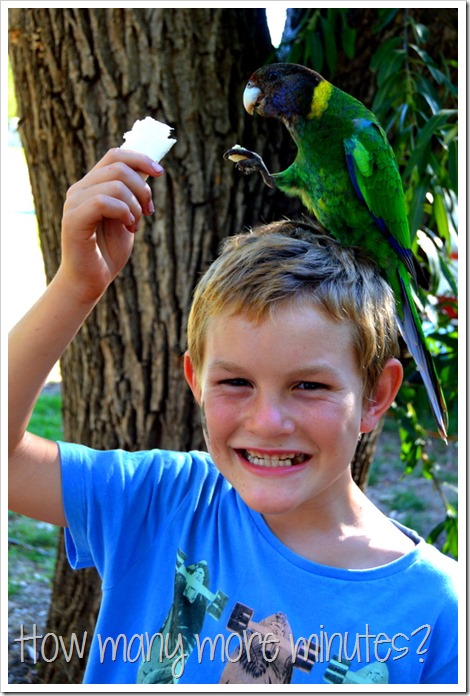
(272, 76)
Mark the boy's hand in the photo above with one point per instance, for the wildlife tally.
(101, 214)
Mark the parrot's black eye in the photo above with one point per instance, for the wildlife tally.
(272, 76)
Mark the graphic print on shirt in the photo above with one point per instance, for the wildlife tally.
(267, 653)
(338, 672)
(266, 650)
(192, 601)
(270, 653)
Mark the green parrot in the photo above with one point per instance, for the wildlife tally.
(346, 174)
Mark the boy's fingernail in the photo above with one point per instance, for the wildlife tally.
(150, 207)
(157, 168)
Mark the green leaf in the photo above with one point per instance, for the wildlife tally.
(453, 165)
(294, 53)
(415, 215)
(402, 112)
(440, 215)
(384, 52)
(349, 39)
(449, 276)
(312, 21)
(450, 527)
(331, 52)
(435, 533)
(437, 74)
(392, 67)
(315, 52)
(388, 93)
(418, 156)
(425, 57)
(432, 254)
(421, 32)
(386, 17)
(426, 90)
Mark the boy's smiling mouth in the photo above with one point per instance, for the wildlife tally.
(273, 460)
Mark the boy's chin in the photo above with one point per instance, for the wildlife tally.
(270, 507)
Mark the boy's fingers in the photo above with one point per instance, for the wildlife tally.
(111, 189)
(115, 171)
(117, 181)
(135, 160)
(92, 210)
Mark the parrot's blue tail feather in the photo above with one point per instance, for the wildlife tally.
(415, 340)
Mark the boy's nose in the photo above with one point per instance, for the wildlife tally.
(269, 416)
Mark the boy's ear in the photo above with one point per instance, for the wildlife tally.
(191, 379)
(387, 388)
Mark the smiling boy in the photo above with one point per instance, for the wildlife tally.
(265, 540)
(283, 409)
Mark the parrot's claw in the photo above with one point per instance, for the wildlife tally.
(248, 162)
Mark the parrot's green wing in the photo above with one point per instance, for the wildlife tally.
(374, 174)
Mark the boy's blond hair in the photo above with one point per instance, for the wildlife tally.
(295, 262)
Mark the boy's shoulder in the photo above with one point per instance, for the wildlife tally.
(438, 561)
(390, 540)
(433, 571)
(131, 478)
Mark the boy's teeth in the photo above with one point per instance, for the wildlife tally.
(285, 460)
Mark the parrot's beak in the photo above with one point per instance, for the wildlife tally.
(252, 97)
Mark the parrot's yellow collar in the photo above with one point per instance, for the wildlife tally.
(321, 96)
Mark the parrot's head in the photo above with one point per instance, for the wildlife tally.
(281, 90)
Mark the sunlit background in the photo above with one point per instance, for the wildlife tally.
(276, 18)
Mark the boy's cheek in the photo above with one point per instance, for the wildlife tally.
(218, 420)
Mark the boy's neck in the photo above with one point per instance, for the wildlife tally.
(350, 533)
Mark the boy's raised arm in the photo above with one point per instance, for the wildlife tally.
(101, 214)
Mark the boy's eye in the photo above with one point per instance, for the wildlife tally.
(235, 382)
(311, 386)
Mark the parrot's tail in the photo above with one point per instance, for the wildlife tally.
(412, 332)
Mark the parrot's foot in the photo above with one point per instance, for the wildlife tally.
(248, 162)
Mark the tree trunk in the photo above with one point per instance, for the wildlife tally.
(364, 455)
(83, 76)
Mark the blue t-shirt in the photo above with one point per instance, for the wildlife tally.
(198, 590)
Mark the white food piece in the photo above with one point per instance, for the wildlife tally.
(150, 137)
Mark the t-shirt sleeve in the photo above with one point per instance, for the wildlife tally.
(436, 643)
(106, 492)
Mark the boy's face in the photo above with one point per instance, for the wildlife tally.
(282, 406)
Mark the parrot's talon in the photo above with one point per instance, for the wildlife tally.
(249, 162)
(248, 166)
(237, 153)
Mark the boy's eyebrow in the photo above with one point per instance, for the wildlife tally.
(312, 370)
(300, 371)
(224, 364)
